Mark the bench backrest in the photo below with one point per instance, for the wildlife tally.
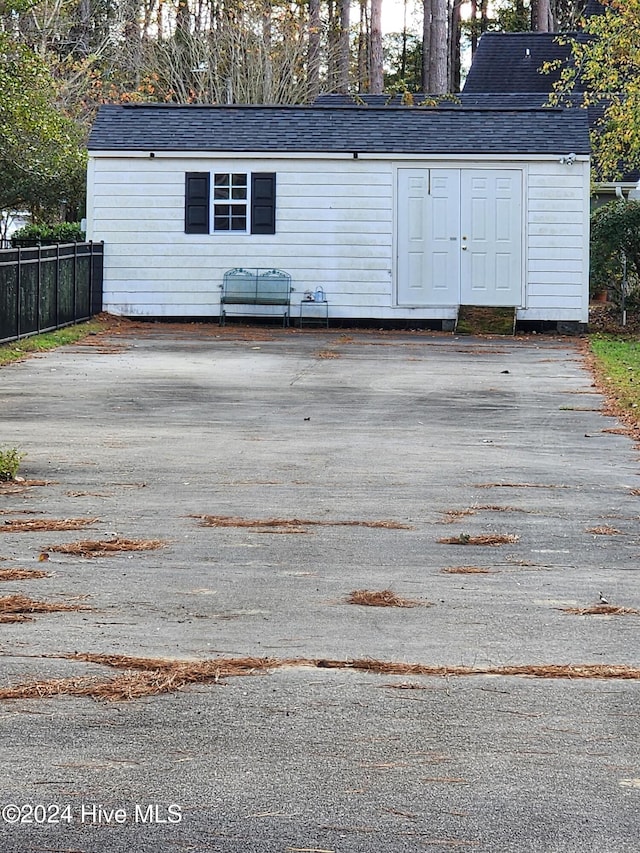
(274, 286)
(267, 287)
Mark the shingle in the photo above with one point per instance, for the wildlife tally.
(512, 62)
(450, 129)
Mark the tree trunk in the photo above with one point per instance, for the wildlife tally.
(426, 46)
(344, 54)
(474, 26)
(543, 22)
(363, 49)
(313, 58)
(454, 46)
(438, 64)
(268, 63)
(377, 79)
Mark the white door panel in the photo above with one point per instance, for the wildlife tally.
(428, 232)
(459, 237)
(491, 240)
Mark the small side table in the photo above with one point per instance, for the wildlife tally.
(314, 313)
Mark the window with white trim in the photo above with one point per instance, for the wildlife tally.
(230, 200)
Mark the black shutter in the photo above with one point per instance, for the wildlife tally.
(263, 203)
(196, 203)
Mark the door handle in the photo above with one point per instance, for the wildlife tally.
(464, 248)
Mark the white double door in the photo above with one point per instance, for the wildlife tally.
(459, 237)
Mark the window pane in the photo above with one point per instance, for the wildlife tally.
(239, 192)
(220, 223)
(221, 186)
(238, 223)
(238, 180)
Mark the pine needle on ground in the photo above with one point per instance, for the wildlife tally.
(382, 598)
(601, 610)
(22, 574)
(18, 608)
(152, 677)
(298, 523)
(25, 526)
(106, 547)
(482, 539)
(466, 570)
(604, 530)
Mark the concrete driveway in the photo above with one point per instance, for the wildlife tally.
(362, 451)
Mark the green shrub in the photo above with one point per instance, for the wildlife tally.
(10, 459)
(63, 232)
(615, 236)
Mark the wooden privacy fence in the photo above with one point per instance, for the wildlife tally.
(47, 287)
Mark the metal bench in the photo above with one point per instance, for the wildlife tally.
(261, 288)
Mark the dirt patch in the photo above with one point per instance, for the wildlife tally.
(26, 526)
(466, 570)
(22, 574)
(328, 353)
(601, 610)
(17, 608)
(491, 539)
(107, 547)
(381, 598)
(296, 525)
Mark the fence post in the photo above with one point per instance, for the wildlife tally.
(75, 282)
(38, 287)
(57, 285)
(18, 291)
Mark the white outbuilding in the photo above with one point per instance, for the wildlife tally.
(399, 214)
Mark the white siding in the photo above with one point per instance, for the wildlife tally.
(558, 242)
(335, 228)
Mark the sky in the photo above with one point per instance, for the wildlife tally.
(393, 16)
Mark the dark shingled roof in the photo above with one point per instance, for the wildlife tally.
(511, 62)
(317, 129)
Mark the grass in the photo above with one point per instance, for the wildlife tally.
(10, 459)
(17, 350)
(616, 363)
